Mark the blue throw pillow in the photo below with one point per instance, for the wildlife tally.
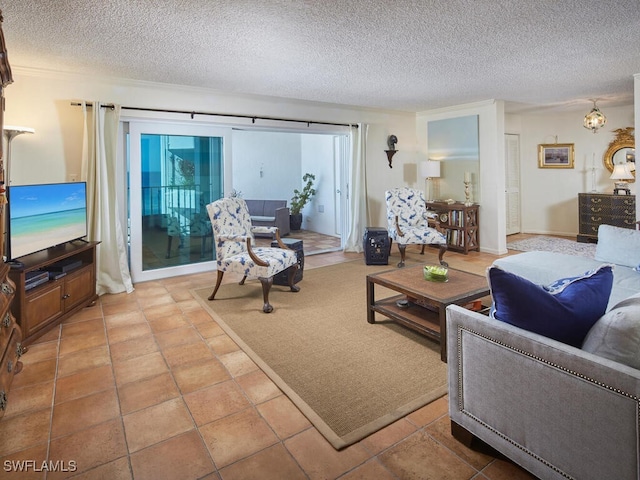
(564, 310)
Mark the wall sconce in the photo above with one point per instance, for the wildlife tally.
(594, 119)
(621, 172)
(391, 141)
(429, 169)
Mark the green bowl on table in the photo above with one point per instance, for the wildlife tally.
(436, 273)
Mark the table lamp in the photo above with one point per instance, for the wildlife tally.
(621, 173)
(429, 169)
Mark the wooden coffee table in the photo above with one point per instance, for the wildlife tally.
(426, 310)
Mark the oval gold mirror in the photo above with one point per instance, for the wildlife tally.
(621, 150)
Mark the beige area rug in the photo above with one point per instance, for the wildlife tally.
(348, 377)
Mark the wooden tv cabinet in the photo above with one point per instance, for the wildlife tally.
(41, 308)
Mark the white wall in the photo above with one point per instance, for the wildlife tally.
(549, 196)
(42, 100)
(317, 158)
(266, 165)
(492, 231)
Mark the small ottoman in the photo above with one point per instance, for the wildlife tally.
(282, 278)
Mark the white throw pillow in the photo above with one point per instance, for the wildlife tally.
(618, 245)
(616, 335)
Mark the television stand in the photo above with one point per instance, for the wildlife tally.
(40, 307)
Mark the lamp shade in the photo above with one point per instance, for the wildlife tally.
(430, 169)
(621, 171)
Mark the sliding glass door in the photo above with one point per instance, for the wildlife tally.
(174, 172)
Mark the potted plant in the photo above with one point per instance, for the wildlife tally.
(300, 199)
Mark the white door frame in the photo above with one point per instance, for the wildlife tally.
(138, 127)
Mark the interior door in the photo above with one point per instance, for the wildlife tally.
(512, 183)
(175, 170)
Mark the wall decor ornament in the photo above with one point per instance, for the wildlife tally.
(391, 142)
(556, 155)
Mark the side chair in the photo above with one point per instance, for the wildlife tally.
(233, 237)
(408, 223)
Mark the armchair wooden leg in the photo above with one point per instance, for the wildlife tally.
(443, 248)
(218, 282)
(266, 286)
(422, 249)
(242, 281)
(292, 274)
(402, 249)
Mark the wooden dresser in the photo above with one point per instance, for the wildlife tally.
(10, 333)
(10, 337)
(595, 209)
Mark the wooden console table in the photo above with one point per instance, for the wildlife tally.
(426, 312)
(39, 309)
(460, 222)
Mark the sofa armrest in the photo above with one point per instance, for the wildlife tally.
(556, 410)
(282, 221)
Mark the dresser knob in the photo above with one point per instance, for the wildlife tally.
(9, 366)
(3, 400)
(7, 289)
(20, 350)
(6, 321)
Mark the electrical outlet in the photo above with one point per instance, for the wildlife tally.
(73, 177)
(320, 208)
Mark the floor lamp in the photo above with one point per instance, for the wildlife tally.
(429, 169)
(9, 133)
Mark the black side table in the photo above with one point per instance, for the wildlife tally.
(282, 278)
(376, 244)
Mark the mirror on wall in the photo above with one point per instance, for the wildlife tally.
(454, 142)
(621, 151)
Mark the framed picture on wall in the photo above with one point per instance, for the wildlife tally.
(556, 155)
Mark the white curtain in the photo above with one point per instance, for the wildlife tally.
(358, 206)
(99, 158)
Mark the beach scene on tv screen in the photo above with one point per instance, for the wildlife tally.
(46, 215)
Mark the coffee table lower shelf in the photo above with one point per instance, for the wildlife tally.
(416, 317)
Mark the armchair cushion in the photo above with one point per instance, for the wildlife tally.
(564, 311)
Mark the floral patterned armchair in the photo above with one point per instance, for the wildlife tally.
(233, 237)
(408, 223)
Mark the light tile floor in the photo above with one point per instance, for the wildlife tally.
(148, 386)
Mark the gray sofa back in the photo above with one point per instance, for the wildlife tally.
(270, 213)
(554, 409)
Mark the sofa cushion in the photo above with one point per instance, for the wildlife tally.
(618, 245)
(616, 335)
(545, 267)
(564, 311)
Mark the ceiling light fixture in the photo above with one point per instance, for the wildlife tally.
(594, 119)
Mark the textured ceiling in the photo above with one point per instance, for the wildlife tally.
(394, 54)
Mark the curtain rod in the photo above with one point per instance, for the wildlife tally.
(234, 115)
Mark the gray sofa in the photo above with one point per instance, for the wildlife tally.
(558, 411)
(270, 213)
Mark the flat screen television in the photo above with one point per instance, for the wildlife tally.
(45, 215)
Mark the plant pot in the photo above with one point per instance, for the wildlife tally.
(295, 221)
